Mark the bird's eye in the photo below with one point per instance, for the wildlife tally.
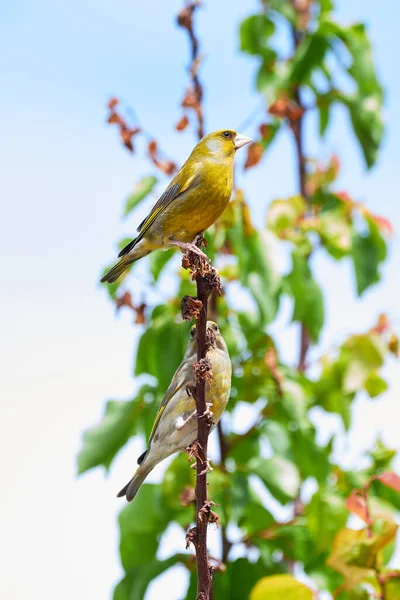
(193, 331)
(215, 327)
(227, 134)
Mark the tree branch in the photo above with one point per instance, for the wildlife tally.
(207, 280)
(194, 97)
(203, 429)
(297, 129)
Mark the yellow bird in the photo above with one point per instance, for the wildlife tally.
(193, 201)
(175, 427)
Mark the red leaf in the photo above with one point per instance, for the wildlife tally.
(190, 99)
(152, 148)
(382, 325)
(344, 197)
(126, 136)
(115, 118)
(383, 224)
(166, 166)
(389, 479)
(182, 123)
(285, 108)
(254, 155)
(265, 130)
(112, 103)
(356, 504)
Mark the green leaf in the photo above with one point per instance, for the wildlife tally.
(307, 296)
(280, 476)
(375, 385)
(285, 9)
(309, 56)
(162, 346)
(392, 587)
(280, 587)
(326, 6)
(284, 214)
(237, 581)
(141, 523)
(336, 232)
(366, 118)
(369, 251)
(134, 585)
(255, 32)
(362, 354)
(326, 514)
(355, 553)
(102, 442)
(158, 260)
(141, 190)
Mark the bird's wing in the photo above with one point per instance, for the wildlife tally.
(179, 185)
(179, 380)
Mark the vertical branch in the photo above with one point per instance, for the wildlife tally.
(203, 429)
(194, 100)
(207, 280)
(194, 96)
(297, 126)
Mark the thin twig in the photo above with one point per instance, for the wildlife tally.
(297, 129)
(185, 20)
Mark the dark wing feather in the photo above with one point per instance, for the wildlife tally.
(171, 193)
(126, 249)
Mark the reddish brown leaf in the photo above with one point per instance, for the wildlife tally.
(344, 197)
(140, 314)
(357, 505)
(187, 495)
(112, 103)
(279, 107)
(284, 107)
(265, 130)
(152, 148)
(114, 118)
(182, 123)
(383, 224)
(254, 154)
(390, 480)
(124, 300)
(126, 136)
(190, 99)
(393, 344)
(382, 325)
(294, 111)
(166, 166)
(185, 18)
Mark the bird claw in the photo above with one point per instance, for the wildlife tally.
(207, 469)
(207, 412)
(191, 247)
(180, 424)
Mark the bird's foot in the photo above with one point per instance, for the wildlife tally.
(207, 413)
(189, 247)
(180, 423)
(208, 468)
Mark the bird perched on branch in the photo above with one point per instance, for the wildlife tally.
(175, 427)
(193, 201)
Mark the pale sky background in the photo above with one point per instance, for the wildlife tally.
(64, 177)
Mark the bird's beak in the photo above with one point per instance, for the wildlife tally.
(241, 140)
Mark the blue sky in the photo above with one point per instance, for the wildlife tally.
(63, 180)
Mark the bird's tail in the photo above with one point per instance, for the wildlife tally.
(112, 275)
(132, 488)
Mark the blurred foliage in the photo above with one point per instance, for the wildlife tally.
(280, 452)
